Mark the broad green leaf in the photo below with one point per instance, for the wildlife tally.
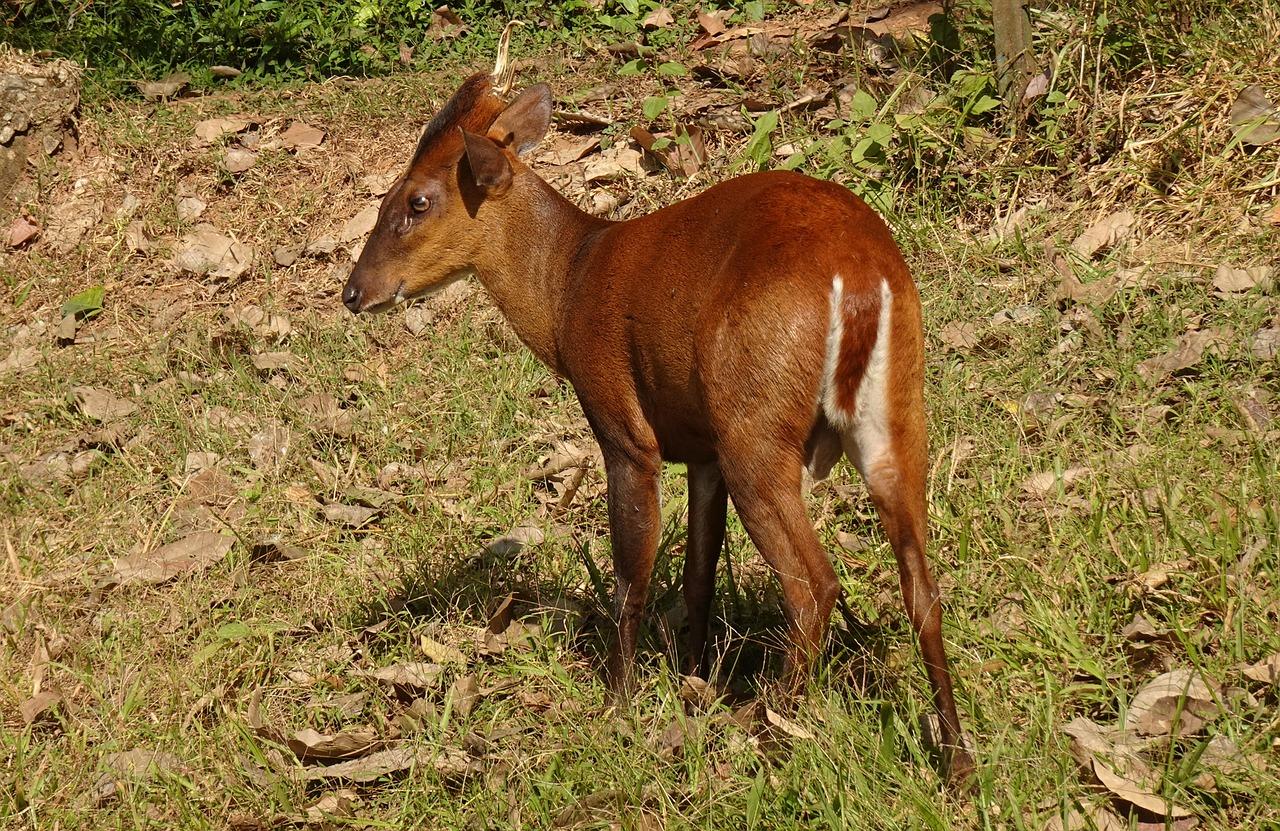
(86, 304)
(760, 146)
(984, 104)
(793, 161)
(880, 132)
(654, 105)
(862, 105)
(672, 68)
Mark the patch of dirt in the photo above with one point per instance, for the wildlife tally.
(39, 100)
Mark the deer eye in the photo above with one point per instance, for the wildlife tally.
(419, 202)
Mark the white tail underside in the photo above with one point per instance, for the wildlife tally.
(865, 431)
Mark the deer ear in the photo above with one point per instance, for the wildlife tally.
(524, 122)
(490, 167)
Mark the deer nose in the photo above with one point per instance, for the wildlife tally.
(351, 298)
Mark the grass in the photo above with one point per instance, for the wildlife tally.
(1177, 520)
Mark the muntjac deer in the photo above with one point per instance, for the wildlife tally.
(763, 327)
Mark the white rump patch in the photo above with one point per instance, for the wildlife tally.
(835, 336)
(871, 410)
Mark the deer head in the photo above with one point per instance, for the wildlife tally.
(437, 218)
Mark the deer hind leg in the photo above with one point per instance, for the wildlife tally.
(765, 484)
(708, 506)
(884, 437)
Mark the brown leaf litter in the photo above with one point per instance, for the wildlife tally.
(1192, 347)
(207, 252)
(194, 552)
(100, 404)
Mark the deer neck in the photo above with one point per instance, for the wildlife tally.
(533, 237)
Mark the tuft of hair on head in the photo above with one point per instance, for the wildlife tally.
(473, 106)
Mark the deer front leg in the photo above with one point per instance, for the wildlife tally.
(634, 525)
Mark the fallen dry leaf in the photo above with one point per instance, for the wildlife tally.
(269, 447)
(301, 136)
(445, 24)
(912, 19)
(514, 540)
(1223, 756)
(138, 764)
(618, 162)
(194, 552)
(568, 149)
(135, 237)
(606, 802)
(99, 404)
(1089, 739)
(1231, 280)
(328, 416)
(440, 653)
(1266, 671)
(659, 18)
(22, 231)
(408, 677)
(322, 246)
(206, 251)
(20, 360)
(66, 332)
(210, 130)
(224, 71)
(1266, 343)
(1191, 348)
(340, 804)
(1135, 793)
(352, 516)
(1103, 234)
(238, 159)
(286, 255)
(377, 184)
(1177, 703)
(359, 226)
(189, 207)
(309, 745)
(212, 487)
(1046, 482)
(345, 705)
(279, 361)
(464, 694)
(1098, 292)
(960, 335)
(787, 726)
(1090, 819)
(199, 460)
(1141, 629)
(1254, 118)
(263, 324)
(41, 706)
(713, 22)
(697, 691)
(166, 87)
(449, 763)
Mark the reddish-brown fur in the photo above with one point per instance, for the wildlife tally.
(696, 334)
